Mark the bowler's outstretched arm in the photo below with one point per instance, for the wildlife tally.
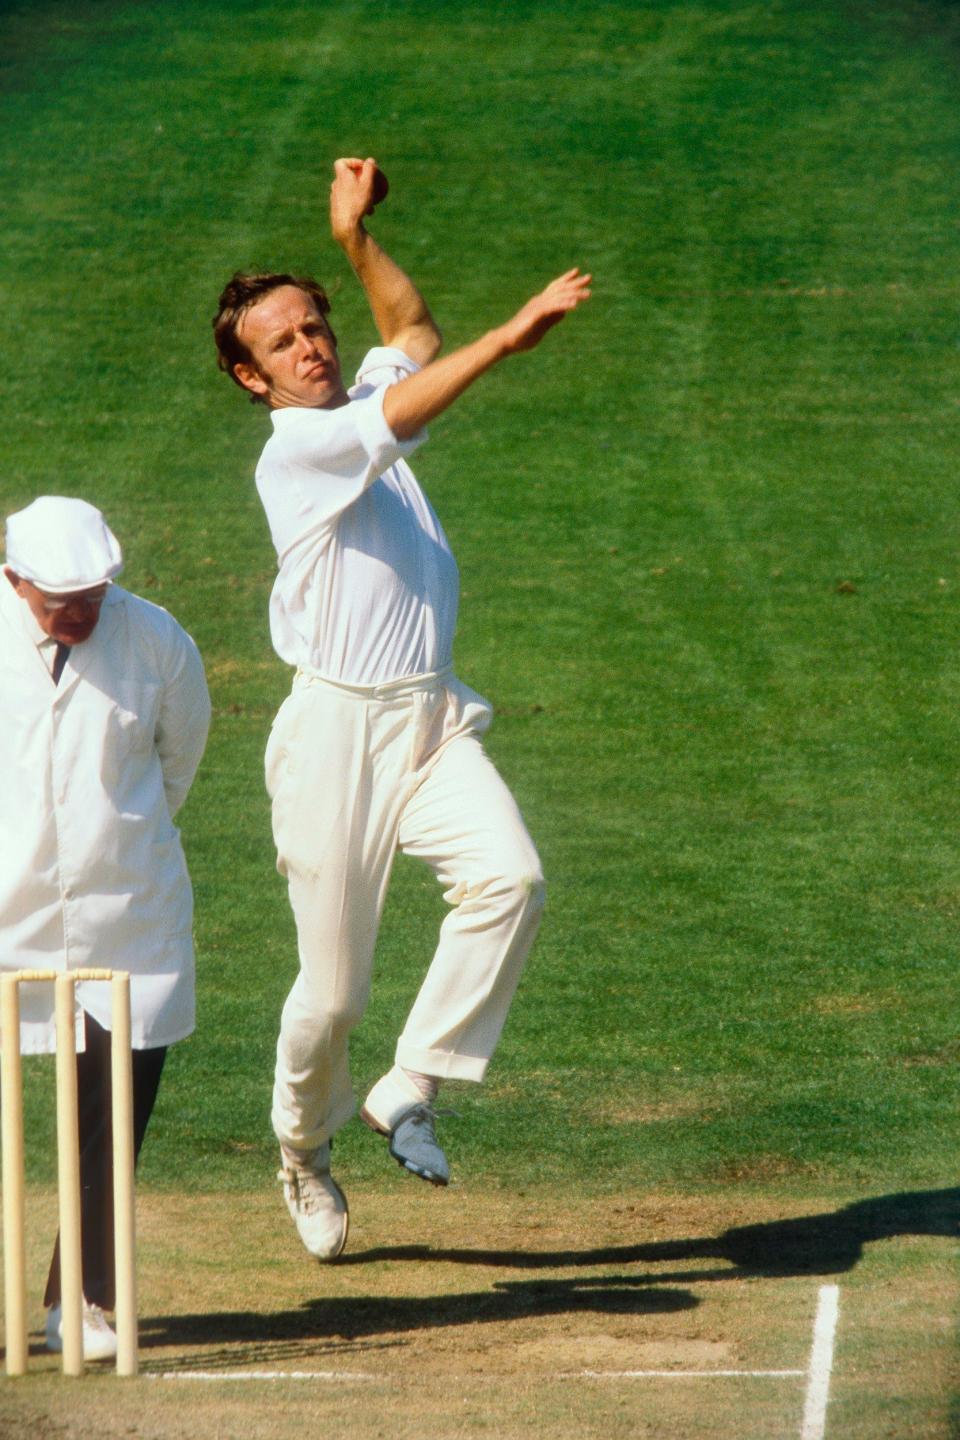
(412, 403)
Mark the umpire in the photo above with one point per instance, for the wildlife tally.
(105, 720)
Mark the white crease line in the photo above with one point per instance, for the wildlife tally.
(259, 1375)
(817, 1373)
(821, 1364)
(211, 1375)
(688, 1374)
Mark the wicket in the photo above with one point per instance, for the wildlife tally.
(68, 1168)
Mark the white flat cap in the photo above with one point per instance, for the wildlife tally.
(62, 544)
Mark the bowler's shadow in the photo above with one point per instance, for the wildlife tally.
(827, 1244)
(833, 1244)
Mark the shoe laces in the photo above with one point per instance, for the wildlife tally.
(305, 1196)
(426, 1113)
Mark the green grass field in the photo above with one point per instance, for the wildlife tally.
(708, 538)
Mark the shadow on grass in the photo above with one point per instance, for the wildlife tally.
(810, 1245)
(361, 1318)
(825, 1244)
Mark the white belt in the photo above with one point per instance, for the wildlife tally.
(387, 690)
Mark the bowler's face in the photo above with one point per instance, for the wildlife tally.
(71, 619)
(295, 360)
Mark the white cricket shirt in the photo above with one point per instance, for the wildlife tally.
(367, 589)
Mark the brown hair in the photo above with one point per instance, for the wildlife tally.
(240, 293)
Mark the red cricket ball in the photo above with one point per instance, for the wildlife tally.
(381, 189)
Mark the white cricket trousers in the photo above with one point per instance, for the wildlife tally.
(354, 774)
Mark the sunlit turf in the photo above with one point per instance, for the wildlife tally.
(707, 534)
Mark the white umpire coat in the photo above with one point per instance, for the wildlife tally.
(92, 772)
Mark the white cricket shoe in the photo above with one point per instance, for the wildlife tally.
(99, 1341)
(317, 1205)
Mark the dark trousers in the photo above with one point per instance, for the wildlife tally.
(96, 1159)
